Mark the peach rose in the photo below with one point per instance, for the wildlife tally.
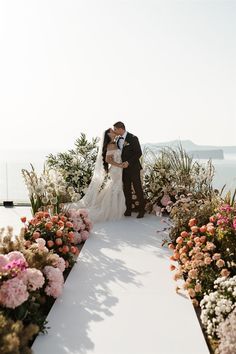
(192, 222)
(224, 272)
(207, 260)
(50, 243)
(179, 240)
(65, 249)
(49, 225)
(194, 229)
(171, 246)
(216, 256)
(58, 241)
(198, 288)
(193, 273)
(220, 263)
(74, 249)
(203, 228)
(184, 234)
(59, 233)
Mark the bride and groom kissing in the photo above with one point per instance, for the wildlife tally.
(117, 170)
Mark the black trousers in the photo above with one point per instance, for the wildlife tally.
(134, 179)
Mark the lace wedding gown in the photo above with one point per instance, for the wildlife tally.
(109, 203)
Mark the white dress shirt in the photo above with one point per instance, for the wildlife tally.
(121, 141)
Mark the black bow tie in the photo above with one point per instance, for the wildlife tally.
(121, 137)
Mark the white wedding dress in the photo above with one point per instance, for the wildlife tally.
(107, 203)
(110, 203)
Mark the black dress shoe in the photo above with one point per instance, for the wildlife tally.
(140, 214)
(127, 213)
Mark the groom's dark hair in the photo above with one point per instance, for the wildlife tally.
(119, 125)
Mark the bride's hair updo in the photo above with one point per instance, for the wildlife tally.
(106, 141)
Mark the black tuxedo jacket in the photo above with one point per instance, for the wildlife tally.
(132, 152)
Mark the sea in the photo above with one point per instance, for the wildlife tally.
(12, 186)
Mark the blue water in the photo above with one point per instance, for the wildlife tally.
(12, 163)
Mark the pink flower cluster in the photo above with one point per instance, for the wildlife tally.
(55, 281)
(17, 279)
(81, 223)
(226, 217)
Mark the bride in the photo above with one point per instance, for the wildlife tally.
(104, 198)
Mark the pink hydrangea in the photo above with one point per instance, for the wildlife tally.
(59, 262)
(15, 255)
(83, 212)
(13, 293)
(84, 235)
(55, 281)
(35, 279)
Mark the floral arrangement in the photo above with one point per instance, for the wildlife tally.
(17, 280)
(206, 252)
(76, 166)
(227, 334)
(173, 173)
(48, 191)
(217, 305)
(61, 232)
(187, 207)
(31, 278)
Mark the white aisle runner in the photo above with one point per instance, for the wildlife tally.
(120, 298)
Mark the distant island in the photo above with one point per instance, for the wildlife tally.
(196, 151)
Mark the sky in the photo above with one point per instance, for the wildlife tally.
(164, 68)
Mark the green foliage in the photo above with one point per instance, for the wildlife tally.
(76, 165)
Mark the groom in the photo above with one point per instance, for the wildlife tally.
(131, 153)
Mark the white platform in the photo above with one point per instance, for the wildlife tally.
(120, 298)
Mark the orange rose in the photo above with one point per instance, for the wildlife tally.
(49, 225)
(23, 219)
